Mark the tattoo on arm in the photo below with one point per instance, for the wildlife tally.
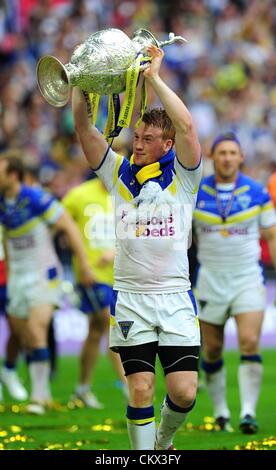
(88, 104)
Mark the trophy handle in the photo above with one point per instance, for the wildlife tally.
(172, 39)
(142, 38)
(53, 81)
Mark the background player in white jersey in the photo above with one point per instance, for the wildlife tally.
(231, 210)
(26, 215)
(8, 373)
(153, 309)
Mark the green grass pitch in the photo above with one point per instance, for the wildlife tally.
(86, 429)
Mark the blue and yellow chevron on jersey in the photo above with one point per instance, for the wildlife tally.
(25, 222)
(250, 199)
(30, 206)
(227, 221)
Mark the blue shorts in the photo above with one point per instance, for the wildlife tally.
(3, 300)
(94, 298)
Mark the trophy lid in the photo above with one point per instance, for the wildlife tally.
(53, 81)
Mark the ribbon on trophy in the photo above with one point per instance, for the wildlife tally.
(112, 129)
(120, 117)
(94, 99)
(132, 76)
(143, 105)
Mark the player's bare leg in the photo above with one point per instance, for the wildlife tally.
(215, 374)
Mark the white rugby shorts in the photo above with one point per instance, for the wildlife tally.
(169, 318)
(30, 290)
(221, 295)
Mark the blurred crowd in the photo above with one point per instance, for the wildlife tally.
(226, 74)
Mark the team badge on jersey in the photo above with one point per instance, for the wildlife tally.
(244, 201)
(125, 327)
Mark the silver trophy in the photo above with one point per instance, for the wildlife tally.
(98, 65)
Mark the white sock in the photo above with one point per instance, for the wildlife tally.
(40, 385)
(141, 437)
(216, 386)
(170, 422)
(82, 388)
(250, 379)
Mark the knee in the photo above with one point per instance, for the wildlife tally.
(97, 325)
(249, 344)
(212, 352)
(94, 335)
(141, 394)
(36, 342)
(184, 397)
(35, 337)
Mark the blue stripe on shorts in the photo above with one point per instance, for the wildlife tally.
(193, 300)
(113, 303)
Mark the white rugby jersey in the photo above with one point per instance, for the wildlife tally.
(151, 256)
(228, 221)
(26, 222)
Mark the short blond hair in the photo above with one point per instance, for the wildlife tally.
(157, 117)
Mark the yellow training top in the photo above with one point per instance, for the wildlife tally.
(90, 206)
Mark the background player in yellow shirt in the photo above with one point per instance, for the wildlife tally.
(90, 206)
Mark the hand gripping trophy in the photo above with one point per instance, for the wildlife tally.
(107, 63)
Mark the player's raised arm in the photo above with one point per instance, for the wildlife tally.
(186, 141)
(92, 141)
